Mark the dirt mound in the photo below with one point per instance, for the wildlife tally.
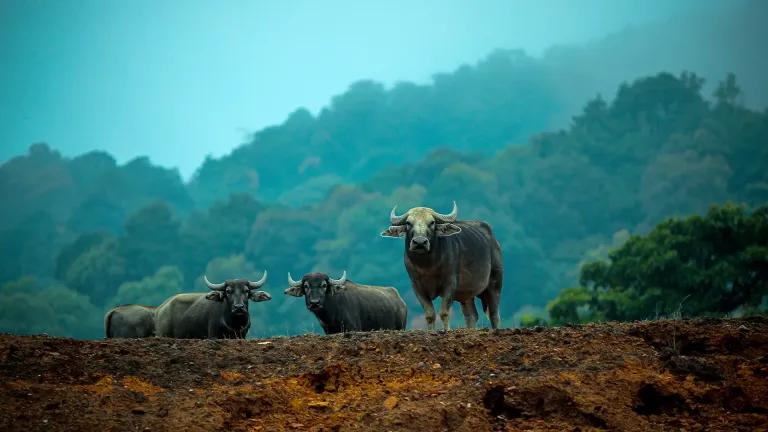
(692, 375)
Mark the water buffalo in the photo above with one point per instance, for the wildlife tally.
(455, 260)
(342, 305)
(219, 314)
(130, 321)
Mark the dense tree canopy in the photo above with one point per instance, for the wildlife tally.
(30, 306)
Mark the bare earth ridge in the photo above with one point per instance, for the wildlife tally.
(660, 375)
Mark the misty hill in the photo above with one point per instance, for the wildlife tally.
(504, 98)
(51, 199)
(501, 100)
(711, 43)
(659, 149)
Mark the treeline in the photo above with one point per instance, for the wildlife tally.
(659, 149)
(503, 99)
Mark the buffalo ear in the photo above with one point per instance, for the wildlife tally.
(296, 291)
(394, 231)
(215, 296)
(259, 296)
(447, 229)
(338, 288)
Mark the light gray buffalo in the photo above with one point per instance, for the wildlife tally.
(341, 305)
(130, 321)
(454, 260)
(219, 314)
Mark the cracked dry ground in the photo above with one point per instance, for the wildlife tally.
(663, 375)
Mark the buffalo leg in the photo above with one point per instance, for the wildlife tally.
(490, 298)
(470, 313)
(429, 311)
(445, 312)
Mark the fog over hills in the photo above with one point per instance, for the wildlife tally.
(710, 43)
(67, 83)
(503, 99)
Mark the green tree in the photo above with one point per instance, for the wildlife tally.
(29, 306)
(727, 91)
(571, 306)
(69, 253)
(713, 264)
(151, 240)
(98, 272)
(151, 290)
(677, 184)
(220, 231)
(30, 247)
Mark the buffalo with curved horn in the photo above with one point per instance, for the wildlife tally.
(221, 313)
(341, 305)
(454, 260)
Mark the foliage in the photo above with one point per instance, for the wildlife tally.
(151, 239)
(220, 231)
(31, 306)
(98, 271)
(530, 320)
(708, 265)
(56, 199)
(571, 306)
(151, 290)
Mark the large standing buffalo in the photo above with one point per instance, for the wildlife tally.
(342, 305)
(219, 314)
(455, 260)
(130, 321)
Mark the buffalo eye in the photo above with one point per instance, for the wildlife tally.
(408, 225)
(229, 290)
(432, 224)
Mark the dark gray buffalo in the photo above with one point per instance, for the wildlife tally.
(130, 321)
(219, 314)
(455, 260)
(342, 305)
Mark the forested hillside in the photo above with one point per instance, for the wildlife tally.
(84, 234)
(50, 200)
(503, 99)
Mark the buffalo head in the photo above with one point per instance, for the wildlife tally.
(237, 292)
(315, 287)
(421, 226)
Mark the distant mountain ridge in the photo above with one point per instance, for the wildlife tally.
(502, 99)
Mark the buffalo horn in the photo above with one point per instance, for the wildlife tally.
(213, 286)
(258, 283)
(395, 219)
(339, 281)
(450, 217)
(292, 282)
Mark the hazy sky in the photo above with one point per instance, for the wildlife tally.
(177, 80)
